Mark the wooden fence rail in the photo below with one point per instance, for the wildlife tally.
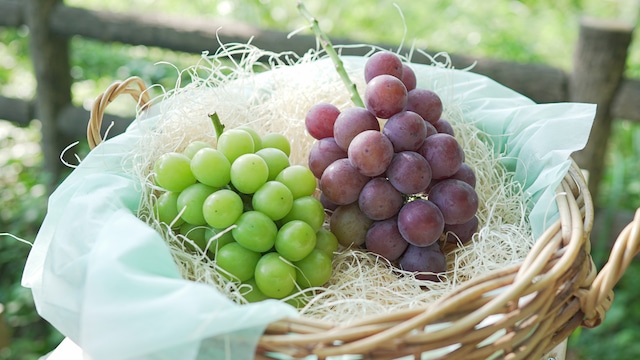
(594, 78)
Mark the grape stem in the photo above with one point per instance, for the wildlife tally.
(330, 50)
(217, 125)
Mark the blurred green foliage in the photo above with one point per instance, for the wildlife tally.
(622, 189)
(23, 197)
(542, 31)
(617, 337)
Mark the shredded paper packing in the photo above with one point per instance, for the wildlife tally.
(108, 281)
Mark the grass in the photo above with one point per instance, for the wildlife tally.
(492, 28)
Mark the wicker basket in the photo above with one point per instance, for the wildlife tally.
(538, 302)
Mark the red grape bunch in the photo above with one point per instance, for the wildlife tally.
(399, 189)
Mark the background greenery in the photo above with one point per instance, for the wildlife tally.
(541, 31)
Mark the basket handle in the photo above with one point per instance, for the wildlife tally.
(133, 86)
(596, 301)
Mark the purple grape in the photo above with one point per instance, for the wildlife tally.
(409, 77)
(322, 154)
(384, 62)
(444, 127)
(456, 199)
(326, 203)
(341, 182)
(385, 95)
(406, 130)
(460, 233)
(444, 154)
(370, 152)
(409, 172)
(428, 262)
(431, 130)
(426, 103)
(351, 122)
(349, 225)
(379, 200)
(383, 238)
(466, 174)
(420, 222)
(319, 120)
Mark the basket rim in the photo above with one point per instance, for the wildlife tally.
(134, 86)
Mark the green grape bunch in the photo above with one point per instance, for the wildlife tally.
(249, 210)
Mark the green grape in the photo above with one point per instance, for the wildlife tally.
(218, 238)
(191, 200)
(255, 231)
(275, 277)
(254, 294)
(276, 161)
(238, 262)
(166, 208)
(257, 140)
(326, 241)
(299, 179)
(314, 270)
(308, 209)
(194, 146)
(278, 141)
(295, 240)
(273, 199)
(234, 142)
(173, 172)
(222, 208)
(195, 233)
(248, 173)
(211, 167)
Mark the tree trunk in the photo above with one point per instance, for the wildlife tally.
(599, 63)
(50, 57)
